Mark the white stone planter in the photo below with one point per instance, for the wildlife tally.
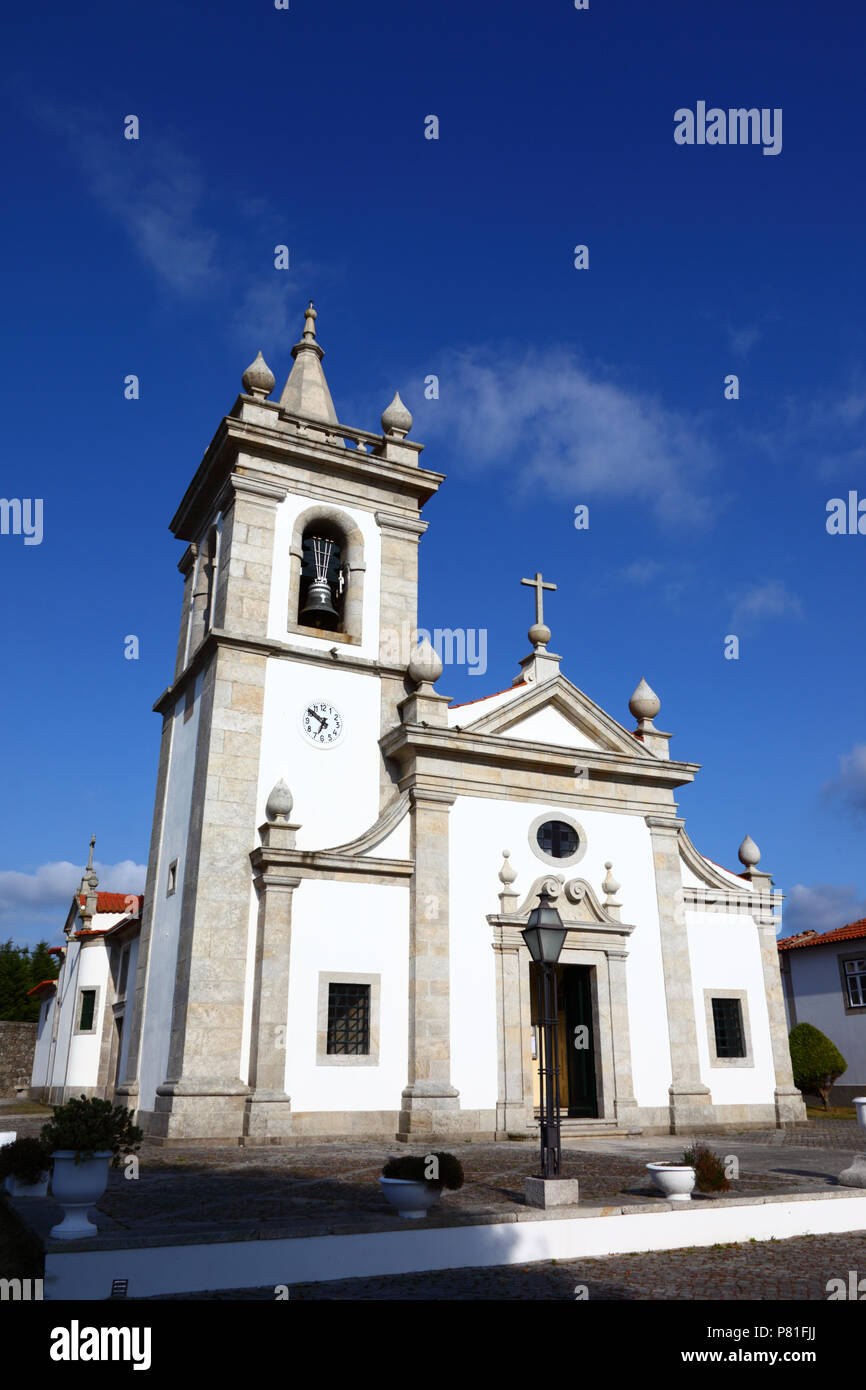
(855, 1176)
(675, 1180)
(860, 1107)
(76, 1186)
(16, 1188)
(412, 1199)
(8, 1136)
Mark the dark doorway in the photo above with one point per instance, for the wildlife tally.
(576, 1040)
(576, 1002)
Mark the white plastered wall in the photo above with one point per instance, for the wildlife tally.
(479, 831)
(362, 928)
(725, 954)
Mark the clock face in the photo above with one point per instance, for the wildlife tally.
(321, 723)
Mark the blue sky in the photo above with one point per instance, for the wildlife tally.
(558, 386)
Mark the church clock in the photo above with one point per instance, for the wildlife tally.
(321, 723)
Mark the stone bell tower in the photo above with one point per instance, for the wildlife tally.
(249, 654)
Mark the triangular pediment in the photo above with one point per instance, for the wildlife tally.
(556, 712)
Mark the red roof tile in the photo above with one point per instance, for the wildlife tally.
(481, 698)
(117, 902)
(42, 985)
(853, 932)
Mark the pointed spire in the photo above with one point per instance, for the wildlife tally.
(88, 887)
(644, 705)
(306, 391)
(507, 875)
(748, 854)
(279, 803)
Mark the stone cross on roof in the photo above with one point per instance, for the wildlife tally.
(538, 633)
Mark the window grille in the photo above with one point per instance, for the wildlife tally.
(728, 1024)
(349, 1019)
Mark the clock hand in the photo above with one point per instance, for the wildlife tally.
(316, 716)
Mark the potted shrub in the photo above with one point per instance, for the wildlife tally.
(413, 1182)
(84, 1136)
(675, 1181)
(709, 1169)
(24, 1164)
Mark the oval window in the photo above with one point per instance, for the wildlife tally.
(557, 838)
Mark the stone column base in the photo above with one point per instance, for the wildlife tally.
(199, 1110)
(429, 1109)
(515, 1120)
(267, 1118)
(855, 1176)
(790, 1107)
(626, 1112)
(690, 1108)
(551, 1192)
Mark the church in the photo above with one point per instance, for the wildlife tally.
(342, 861)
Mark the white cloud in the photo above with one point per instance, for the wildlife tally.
(849, 785)
(756, 602)
(548, 424)
(821, 907)
(49, 889)
(742, 340)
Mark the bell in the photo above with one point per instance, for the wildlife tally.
(319, 611)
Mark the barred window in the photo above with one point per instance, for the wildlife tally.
(855, 980)
(557, 838)
(349, 1019)
(728, 1025)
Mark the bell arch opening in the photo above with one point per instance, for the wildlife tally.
(327, 574)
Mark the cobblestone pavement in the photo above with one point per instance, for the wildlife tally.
(298, 1187)
(789, 1270)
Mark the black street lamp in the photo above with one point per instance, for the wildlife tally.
(544, 935)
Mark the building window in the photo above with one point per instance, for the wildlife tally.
(347, 1027)
(86, 1011)
(172, 878)
(855, 983)
(124, 971)
(558, 840)
(728, 1027)
(349, 1019)
(189, 701)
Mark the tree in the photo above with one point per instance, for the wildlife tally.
(20, 970)
(816, 1062)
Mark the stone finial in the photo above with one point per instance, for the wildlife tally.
(610, 886)
(748, 854)
(507, 875)
(310, 317)
(396, 421)
(258, 380)
(644, 705)
(280, 803)
(425, 665)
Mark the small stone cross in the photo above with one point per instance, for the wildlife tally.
(538, 584)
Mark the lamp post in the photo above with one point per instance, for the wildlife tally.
(544, 935)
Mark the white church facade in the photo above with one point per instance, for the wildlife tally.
(342, 861)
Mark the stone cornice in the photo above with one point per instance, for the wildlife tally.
(346, 660)
(408, 742)
(403, 526)
(275, 445)
(303, 863)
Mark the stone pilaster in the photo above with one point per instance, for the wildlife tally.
(690, 1099)
(268, 1117)
(624, 1099)
(398, 617)
(790, 1106)
(187, 568)
(514, 1107)
(430, 1104)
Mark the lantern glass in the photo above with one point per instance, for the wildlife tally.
(544, 933)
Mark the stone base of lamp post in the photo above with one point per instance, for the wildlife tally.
(855, 1176)
(552, 1192)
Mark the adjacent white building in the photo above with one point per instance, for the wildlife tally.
(342, 860)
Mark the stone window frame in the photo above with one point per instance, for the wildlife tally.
(548, 859)
(347, 1059)
(171, 882)
(87, 989)
(723, 1062)
(353, 559)
(848, 957)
